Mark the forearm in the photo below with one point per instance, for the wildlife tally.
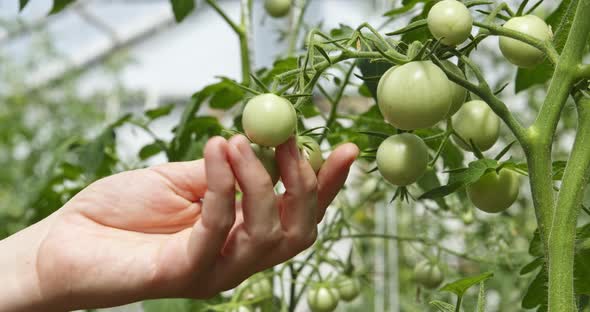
(18, 258)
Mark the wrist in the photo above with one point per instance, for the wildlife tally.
(18, 260)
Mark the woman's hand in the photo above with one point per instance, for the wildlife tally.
(176, 230)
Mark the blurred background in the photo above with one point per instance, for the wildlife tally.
(65, 77)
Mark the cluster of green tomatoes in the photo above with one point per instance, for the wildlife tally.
(418, 95)
(321, 297)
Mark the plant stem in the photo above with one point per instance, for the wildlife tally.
(298, 13)
(245, 38)
(562, 232)
(336, 102)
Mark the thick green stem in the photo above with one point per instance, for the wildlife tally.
(245, 37)
(557, 221)
(297, 22)
(562, 232)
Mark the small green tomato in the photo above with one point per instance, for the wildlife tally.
(402, 158)
(257, 288)
(476, 122)
(322, 299)
(494, 192)
(519, 53)
(277, 8)
(312, 152)
(269, 120)
(450, 21)
(348, 287)
(266, 155)
(414, 95)
(428, 274)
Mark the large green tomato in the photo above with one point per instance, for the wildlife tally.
(266, 155)
(519, 53)
(458, 93)
(277, 8)
(494, 192)
(402, 158)
(322, 299)
(450, 21)
(428, 274)
(414, 95)
(269, 120)
(476, 122)
(348, 287)
(312, 152)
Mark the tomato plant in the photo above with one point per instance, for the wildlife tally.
(429, 94)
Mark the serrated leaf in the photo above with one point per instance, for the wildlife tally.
(182, 8)
(59, 5)
(159, 112)
(442, 306)
(150, 150)
(459, 287)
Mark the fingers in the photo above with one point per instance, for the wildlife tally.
(261, 216)
(299, 202)
(333, 174)
(218, 212)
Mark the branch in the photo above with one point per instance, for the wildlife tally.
(237, 29)
(542, 45)
(336, 103)
(487, 95)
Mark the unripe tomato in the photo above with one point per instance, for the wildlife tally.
(269, 120)
(322, 299)
(494, 192)
(458, 93)
(242, 308)
(519, 53)
(477, 122)
(266, 155)
(414, 95)
(277, 8)
(428, 274)
(402, 158)
(258, 288)
(348, 287)
(312, 152)
(450, 21)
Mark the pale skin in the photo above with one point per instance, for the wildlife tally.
(173, 230)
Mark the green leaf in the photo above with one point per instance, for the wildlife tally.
(533, 265)
(22, 4)
(536, 246)
(422, 33)
(226, 94)
(150, 150)
(536, 294)
(159, 112)
(430, 181)
(59, 5)
(182, 8)
(442, 306)
(459, 287)
(560, 21)
(372, 69)
(407, 5)
(582, 272)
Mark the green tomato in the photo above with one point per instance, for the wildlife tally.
(428, 274)
(458, 93)
(476, 122)
(322, 299)
(494, 192)
(348, 287)
(312, 152)
(414, 95)
(258, 287)
(519, 53)
(269, 120)
(242, 308)
(450, 21)
(277, 8)
(402, 158)
(266, 155)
